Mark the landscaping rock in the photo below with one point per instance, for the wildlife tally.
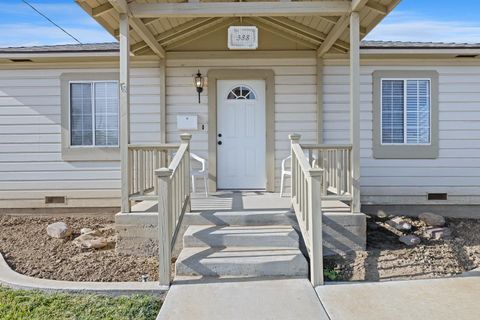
(89, 241)
(85, 230)
(432, 219)
(382, 215)
(399, 223)
(410, 240)
(438, 233)
(59, 230)
(90, 232)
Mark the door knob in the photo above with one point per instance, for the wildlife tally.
(220, 142)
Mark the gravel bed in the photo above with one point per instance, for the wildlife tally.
(28, 250)
(386, 258)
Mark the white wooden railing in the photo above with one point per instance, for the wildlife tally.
(319, 172)
(143, 161)
(173, 202)
(307, 203)
(336, 162)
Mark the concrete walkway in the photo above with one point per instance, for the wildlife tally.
(291, 299)
(439, 299)
(274, 299)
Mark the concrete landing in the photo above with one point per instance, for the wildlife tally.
(282, 299)
(439, 299)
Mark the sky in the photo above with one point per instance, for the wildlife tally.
(412, 20)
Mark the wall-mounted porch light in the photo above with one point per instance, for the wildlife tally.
(199, 81)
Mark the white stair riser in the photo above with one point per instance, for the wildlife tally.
(245, 263)
(281, 237)
(243, 218)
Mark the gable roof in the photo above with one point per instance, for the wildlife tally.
(158, 26)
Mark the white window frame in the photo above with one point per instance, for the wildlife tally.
(405, 97)
(94, 145)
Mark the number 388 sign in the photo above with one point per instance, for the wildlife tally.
(242, 37)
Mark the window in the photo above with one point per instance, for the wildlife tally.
(405, 114)
(94, 113)
(241, 93)
(90, 116)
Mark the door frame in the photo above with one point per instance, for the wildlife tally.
(238, 74)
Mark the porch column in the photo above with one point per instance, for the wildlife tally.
(355, 107)
(124, 108)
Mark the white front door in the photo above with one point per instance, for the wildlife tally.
(241, 134)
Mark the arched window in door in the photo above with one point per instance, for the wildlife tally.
(241, 93)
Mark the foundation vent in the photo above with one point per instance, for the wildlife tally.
(437, 196)
(55, 200)
(466, 56)
(20, 60)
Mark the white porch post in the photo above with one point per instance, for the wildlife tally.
(124, 109)
(355, 107)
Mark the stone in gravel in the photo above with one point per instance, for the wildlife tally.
(410, 240)
(89, 241)
(59, 230)
(432, 219)
(382, 214)
(399, 223)
(85, 230)
(90, 232)
(438, 233)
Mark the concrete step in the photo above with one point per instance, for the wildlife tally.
(241, 262)
(240, 218)
(240, 236)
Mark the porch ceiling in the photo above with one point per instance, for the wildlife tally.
(157, 26)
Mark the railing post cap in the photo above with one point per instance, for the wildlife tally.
(315, 172)
(186, 136)
(294, 136)
(163, 172)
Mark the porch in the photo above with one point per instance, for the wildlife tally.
(234, 220)
(324, 178)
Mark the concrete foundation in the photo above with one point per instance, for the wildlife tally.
(137, 232)
(446, 210)
(344, 232)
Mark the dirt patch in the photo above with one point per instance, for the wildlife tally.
(387, 258)
(29, 250)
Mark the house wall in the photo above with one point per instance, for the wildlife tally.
(383, 181)
(295, 99)
(31, 165)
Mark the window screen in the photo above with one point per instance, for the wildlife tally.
(94, 113)
(405, 111)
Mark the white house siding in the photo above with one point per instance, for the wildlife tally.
(31, 165)
(295, 99)
(457, 169)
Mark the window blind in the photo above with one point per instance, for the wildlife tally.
(106, 114)
(393, 97)
(405, 111)
(94, 113)
(81, 114)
